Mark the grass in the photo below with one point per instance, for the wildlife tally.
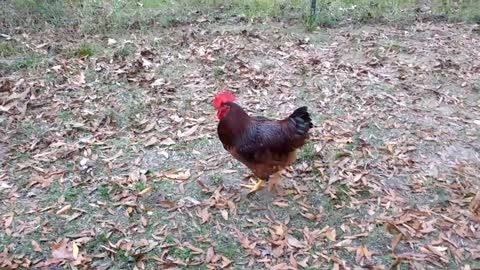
(86, 50)
(16, 57)
(228, 248)
(126, 50)
(7, 49)
(118, 16)
(65, 116)
(216, 179)
(104, 192)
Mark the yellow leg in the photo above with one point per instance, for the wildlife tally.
(256, 185)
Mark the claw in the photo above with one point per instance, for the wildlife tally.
(255, 185)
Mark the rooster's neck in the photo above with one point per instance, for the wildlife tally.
(233, 125)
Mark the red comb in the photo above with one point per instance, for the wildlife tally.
(221, 98)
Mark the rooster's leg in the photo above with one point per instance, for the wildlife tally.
(256, 185)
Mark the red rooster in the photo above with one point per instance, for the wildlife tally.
(265, 146)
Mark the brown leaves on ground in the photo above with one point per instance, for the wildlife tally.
(112, 161)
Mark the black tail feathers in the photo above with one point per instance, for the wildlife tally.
(302, 120)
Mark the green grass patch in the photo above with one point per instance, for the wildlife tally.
(228, 249)
(120, 16)
(104, 192)
(307, 153)
(7, 49)
(28, 61)
(216, 179)
(128, 49)
(86, 50)
(65, 116)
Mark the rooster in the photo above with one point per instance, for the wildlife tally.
(265, 146)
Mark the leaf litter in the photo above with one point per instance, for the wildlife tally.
(114, 162)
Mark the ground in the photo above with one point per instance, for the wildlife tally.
(110, 158)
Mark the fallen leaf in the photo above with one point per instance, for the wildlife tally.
(145, 191)
(204, 215)
(396, 240)
(79, 80)
(188, 132)
(61, 251)
(281, 204)
(8, 221)
(111, 42)
(293, 261)
(294, 242)
(150, 142)
(149, 127)
(64, 209)
(167, 141)
(177, 174)
(144, 221)
(363, 252)
(331, 234)
(195, 250)
(304, 262)
(210, 254)
(76, 250)
(475, 205)
(224, 214)
(36, 246)
(225, 262)
(281, 266)
(43, 181)
(158, 82)
(343, 243)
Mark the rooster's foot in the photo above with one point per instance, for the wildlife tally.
(255, 185)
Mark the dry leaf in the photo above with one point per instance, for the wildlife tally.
(79, 80)
(281, 266)
(343, 243)
(204, 215)
(225, 262)
(145, 191)
(158, 82)
(149, 127)
(210, 254)
(76, 250)
(188, 132)
(177, 174)
(61, 251)
(152, 141)
(294, 242)
(144, 221)
(304, 262)
(193, 248)
(293, 261)
(224, 214)
(475, 205)
(111, 42)
(331, 234)
(36, 246)
(43, 181)
(8, 221)
(396, 240)
(64, 209)
(281, 204)
(167, 141)
(363, 252)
